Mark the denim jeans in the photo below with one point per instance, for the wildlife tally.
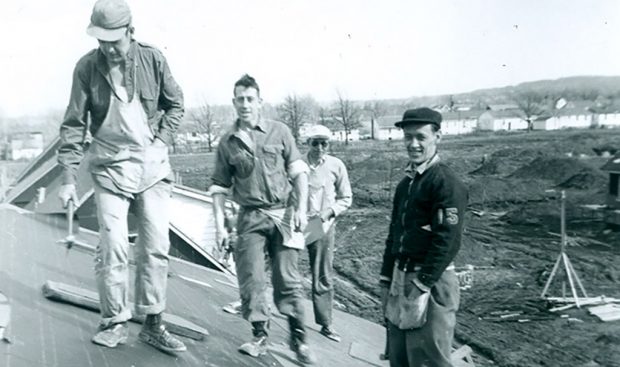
(321, 254)
(430, 345)
(257, 233)
(151, 208)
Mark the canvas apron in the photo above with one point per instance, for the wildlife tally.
(123, 152)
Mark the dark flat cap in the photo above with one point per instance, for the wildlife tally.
(420, 115)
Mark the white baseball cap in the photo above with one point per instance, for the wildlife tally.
(319, 131)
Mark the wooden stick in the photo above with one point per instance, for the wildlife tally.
(570, 265)
(555, 268)
(570, 280)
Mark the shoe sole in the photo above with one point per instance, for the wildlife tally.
(331, 337)
(120, 342)
(152, 342)
(256, 354)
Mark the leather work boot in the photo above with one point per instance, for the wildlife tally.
(112, 336)
(154, 333)
(330, 333)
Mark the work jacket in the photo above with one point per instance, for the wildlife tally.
(427, 222)
(147, 76)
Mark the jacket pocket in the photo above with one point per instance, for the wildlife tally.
(149, 103)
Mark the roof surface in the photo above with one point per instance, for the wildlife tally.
(47, 333)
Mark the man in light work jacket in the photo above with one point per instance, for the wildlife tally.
(134, 105)
(420, 287)
(329, 195)
(258, 160)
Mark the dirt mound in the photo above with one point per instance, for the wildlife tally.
(505, 161)
(555, 169)
(494, 190)
(585, 180)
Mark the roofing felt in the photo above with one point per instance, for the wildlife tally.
(47, 333)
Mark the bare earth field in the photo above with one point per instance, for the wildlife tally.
(510, 239)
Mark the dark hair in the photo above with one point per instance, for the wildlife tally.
(247, 82)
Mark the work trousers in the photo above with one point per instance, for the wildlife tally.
(151, 208)
(430, 345)
(321, 253)
(257, 233)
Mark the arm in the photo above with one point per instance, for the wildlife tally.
(297, 171)
(222, 181)
(171, 101)
(447, 227)
(344, 196)
(221, 233)
(389, 259)
(300, 186)
(74, 126)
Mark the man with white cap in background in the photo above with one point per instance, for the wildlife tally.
(329, 195)
(125, 97)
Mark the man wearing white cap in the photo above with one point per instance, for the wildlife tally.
(124, 95)
(329, 195)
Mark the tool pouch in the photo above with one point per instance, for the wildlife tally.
(406, 309)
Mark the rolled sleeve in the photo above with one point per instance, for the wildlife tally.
(297, 167)
(216, 189)
(222, 175)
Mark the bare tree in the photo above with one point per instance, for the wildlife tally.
(377, 109)
(294, 112)
(204, 117)
(531, 104)
(347, 115)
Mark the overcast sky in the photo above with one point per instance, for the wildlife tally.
(366, 49)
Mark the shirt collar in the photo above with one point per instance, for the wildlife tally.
(320, 162)
(261, 126)
(102, 63)
(412, 169)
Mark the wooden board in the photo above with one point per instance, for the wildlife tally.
(90, 300)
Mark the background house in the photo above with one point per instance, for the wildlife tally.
(385, 129)
(26, 145)
(504, 120)
(563, 119)
(460, 122)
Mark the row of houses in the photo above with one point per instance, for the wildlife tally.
(468, 121)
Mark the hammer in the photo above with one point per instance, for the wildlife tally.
(69, 241)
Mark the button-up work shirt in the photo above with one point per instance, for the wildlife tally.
(258, 164)
(328, 186)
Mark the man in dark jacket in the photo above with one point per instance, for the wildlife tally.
(124, 96)
(419, 286)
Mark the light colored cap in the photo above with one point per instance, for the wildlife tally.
(319, 131)
(109, 20)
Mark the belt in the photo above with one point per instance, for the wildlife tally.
(408, 265)
(265, 207)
